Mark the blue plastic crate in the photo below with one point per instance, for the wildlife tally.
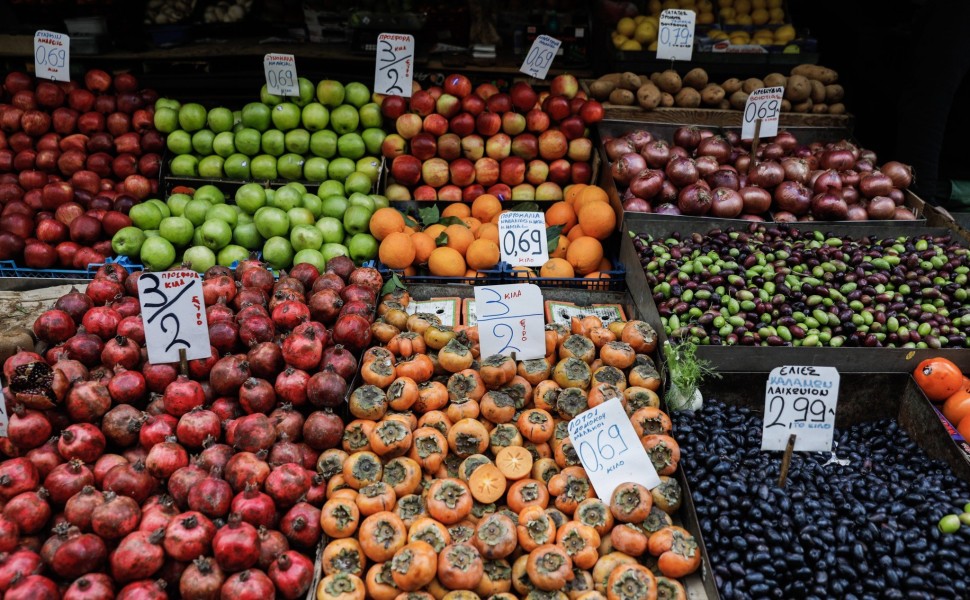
(9, 268)
(490, 277)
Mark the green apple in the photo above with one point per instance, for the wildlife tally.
(202, 141)
(370, 115)
(225, 146)
(331, 228)
(271, 221)
(177, 230)
(236, 166)
(211, 166)
(216, 234)
(373, 140)
(195, 211)
(256, 115)
(157, 253)
(272, 142)
(315, 169)
(166, 119)
(161, 206)
(330, 250)
(297, 141)
(236, 119)
(351, 145)
(362, 247)
(308, 92)
(361, 199)
(242, 217)
(358, 182)
(247, 236)
(300, 216)
(323, 143)
(370, 166)
(286, 116)
(220, 119)
(250, 197)
(344, 119)
(314, 204)
(340, 168)
(264, 167)
(380, 201)
(334, 206)
(278, 252)
(330, 93)
(356, 94)
(268, 99)
(306, 236)
(311, 256)
(210, 194)
(247, 141)
(167, 103)
(223, 212)
(270, 194)
(286, 198)
(290, 166)
(315, 116)
(185, 165)
(232, 254)
(199, 258)
(179, 142)
(176, 203)
(127, 241)
(297, 186)
(192, 116)
(197, 237)
(330, 188)
(356, 219)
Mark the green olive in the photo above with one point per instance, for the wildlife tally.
(950, 524)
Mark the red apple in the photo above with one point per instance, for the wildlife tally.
(449, 193)
(500, 191)
(498, 146)
(552, 144)
(24, 100)
(564, 85)
(435, 91)
(573, 127)
(408, 125)
(499, 103)
(580, 149)
(424, 146)
(138, 186)
(549, 191)
(125, 82)
(523, 96)
(406, 169)
(114, 221)
(462, 172)
(97, 80)
(142, 120)
(51, 231)
(422, 103)
(537, 171)
(38, 255)
(392, 146)
(449, 146)
(469, 193)
(30, 179)
(576, 104)
(101, 163)
(80, 100)
(6, 162)
(434, 172)
(122, 166)
(582, 172)
(473, 104)
(488, 124)
(435, 124)
(10, 192)
(34, 199)
(49, 95)
(101, 142)
(512, 171)
(557, 107)
(153, 141)
(513, 123)
(77, 141)
(20, 141)
(71, 162)
(463, 124)
(3, 141)
(10, 118)
(150, 165)
(56, 194)
(447, 105)
(537, 120)
(393, 106)
(105, 104)
(486, 90)
(524, 191)
(88, 181)
(118, 123)
(46, 160)
(487, 171)
(128, 142)
(472, 147)
(48, 141)
(128, 103)
(25, 160)
(592, 112)
(16, 81)
(525, 146)
(458, 85)
(35, 123)
(148, 96)
(90, 122)
(560, 171)
(425, 193)
(64, 120)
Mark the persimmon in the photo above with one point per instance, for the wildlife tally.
(536, 425)
(463, 531)
(362, 468)
(544, 469)
(514, 462)
(383, 331)
(467, 437)
(938, 377)
(534, 371)
(497, 370)
(571, 402)
(410, 508)
(631, 582)
(469, 464)
(414, 566)
(964, 428)
(379, 373)
(630, 502)
(581, 542)
(617, 354)
(449, 500)
(578, 346)
(426, 529)
(664, 453)
(420, 321)
(374, 498)
(645, 376)
(650, 420)
(339, 518)
(455, 357)
(504, 435)
(549, 567)
(572, 373)
(460, 566)
(581, 586)
(603, 392)
(435, 419)
(343, 556)
(496, 578)
(337, 483)
(667, 496)
(463, 408)
(640, 397)
(676, 551)
(466, 384)
(670, 589)
(341, 586)
(543, 450)
(565, 453)
(407, 343)
(381, 535)
(406, 418)
(521, 582)
(595, 513)
(544, 395)
(487, 483)
(429, 448)
(417, 366)
(331, 461)
(629, 539)
(432, 395)
(368, 401)
(640, 336)
(656, 520)
(610, 375)
(402, 393)
(380, 585)
(535, 528)
(520, 390)
(495, 536)
(527, 492)
(415, 596)
(570, 487)
(957, 406)
(601, 336)
(403, 474)
(356, 437)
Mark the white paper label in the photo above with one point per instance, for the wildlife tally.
(174, 314)
(510, 320)
(522, 237)
(564, 313)
(800, 401)
(610, 450)
(394, 70)
(4, 420)
(280, 71)
(52, 55)
(540, 56)
(675, 40)
(446, 310)
(764, 104)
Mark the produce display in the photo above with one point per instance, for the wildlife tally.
(945, 385)
(74, 158)
(780, 286)
(704, 174)
(457, 142)
(636, 32)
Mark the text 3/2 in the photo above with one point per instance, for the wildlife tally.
(164, 303)
(388, 65)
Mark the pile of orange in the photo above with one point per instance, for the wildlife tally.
(465, 247)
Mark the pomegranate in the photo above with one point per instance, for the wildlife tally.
(254, 507)
(288, 422)
(130, 480)
(249, 296)
(9, 534)
(34, 587)
(92, 586)
(292, 574)
(166, 458)
(256, 277)
(328, 281)
(145, 589)
(29, 510)
(15, 564)
(183, 480)
(75, 304)
(199, 368)
(212, 496)
(223, 336)
(122, 423)
(197, 426)
(45, 457)
(250, 584)
(28, 429)
(327, 389)
(253, 433)
(138, 556)
(215, 455)
(352, 331)
(236, 546)
(291, 384)
(120, 350)
(102, 321)
(219, 312)
(116, 517)
(218, 288)
(323, 430)
(288, 483)
(182, 395)
(159, 514)
(357, 307)
(228, 374)
(245, 468)
(104, 290)
(366, 276)
(301, 525)
(80, 506)
(87, 402)
(80, 554)
(83, 441)
(341, 359)
(189, 536)
(157, 377)
(202, 580)
(255, 329)
(325, 305)
(265, 359)
(127, 387)
(54, 326)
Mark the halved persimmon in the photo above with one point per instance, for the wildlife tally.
(514, 462)
(487, 483)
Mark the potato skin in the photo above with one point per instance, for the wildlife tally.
(751, 84)
(622, 97)
(731, 85)
(837, 109)
(823, 74)
(601, 89)
(798, 90)
(818, 91)
(712, 94)
(738, 99)
(687, 98)
(775, 80)
(629, 81)
(666, 100)
(696, 78)
(648, 96)
(834, 93)
(670, 82)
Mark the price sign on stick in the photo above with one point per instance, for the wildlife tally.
(4, 420)
(675, 40)
(280, 70)
(174, 315)
(52, 55)
(540, 56)
(510, 319)
(800, 401)
(764, 104)
(522, 237)
(610, 450)
(394, 70)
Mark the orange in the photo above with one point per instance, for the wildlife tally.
(456, 210)
(590, 193)
(482, 254)
(572, 192)
(594, 284)
(435, 230)
(597, 220)
(396, 250)
(488, 231)
(446, 262)
(560, 251)
(485, 207)
(561, 213)
(423, 245)
(575, 232)
(472, 223)
(558, 268)
(605, 265)
(473, 274)
(496, 217)
(957, 407)
(385, 221)
(585, 254)
(459, 237)
(408, 229)
(410, 271)
(522, 273)
(964, 428)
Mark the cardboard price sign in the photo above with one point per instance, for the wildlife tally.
(540, 56)
(522, 237)
(764, 104)
(675, 39)
(52, 55)
(510, 320)
(800, 401)
(394, 70)
(174, 315)
(280, 71)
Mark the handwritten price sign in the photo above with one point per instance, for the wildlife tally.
(800, 401)
(675, 40)
(52, 55)
(394, 70)
(280, 70)
(174, 315)
(764, 104)
(4, 420)
(540, 56)
(510, 319)
(523, 238)
(610, 450)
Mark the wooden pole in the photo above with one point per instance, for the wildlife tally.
(786, 461)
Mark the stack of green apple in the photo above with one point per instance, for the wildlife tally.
(326, 133)
(287, 225)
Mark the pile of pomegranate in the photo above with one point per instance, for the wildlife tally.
(125, 478)
(73, 159)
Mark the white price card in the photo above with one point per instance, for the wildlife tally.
(280, 71)
(174, 314)
(764, 104)
(445, 309)
(510, 320)
(523, 238)
(675, 40)
(394, 70)
(563, 312)
(610, 449)
(52, 55)
(540, 56)
(4, 420)
(800, 401)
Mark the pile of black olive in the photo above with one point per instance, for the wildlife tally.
(866, 529)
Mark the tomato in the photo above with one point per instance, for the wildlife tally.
(938, 377)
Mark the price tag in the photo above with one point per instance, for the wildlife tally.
(523, 238)
(394, 70)
(510, 320)
(4, 420)
(563, 312)
(610, 450)
(280, 70)
(52, 55)
(174, 315)
(675, 40)
(540, 56)
(764, 104)
(445, 309)
(800, 401)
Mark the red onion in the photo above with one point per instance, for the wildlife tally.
(679, 151)
(863, 166)
(826, 181)
(756, 200)
(816, 147)
(626, 167)
(849, 178)
(694, 200)
(850, 195)
(639, 138)
(617, 147)
(687, 137)
(796, 169)
(681, 172)
(725, 177)
(657, 153)
(742, 163)
(829, 206)
(875, 184)
(793, 197)
(706, 165)
(900, 174)
(766, 174)
(668, 193)
(787, 141)
(637, 205)
(898, 196)
(904, 214)
(715, 146)
(784, 217)
(868, 155)
(773, 151)
(732, 137)
(753, 218)
(726, 203)
(647, 183)
(667, 209)
(857, 212)
(802, 152)
(881, 207)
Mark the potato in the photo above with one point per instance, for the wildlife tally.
(611, 77)
(820, 109)
(696, 78)
(629, 81)
(752, 84)
(818, 91)
(712, 94)
(775, 80)
(725, 104)
(13, 338)
(600, 89)
(648, 96)
(622, 97)
(670, 82)
(666, 100)
(822, 74)
(655, 78)
(798, 89)
(802, 107)
(837, 109)
(834, 93)
(687, 97)
(738, 99)
(731, 85)
(785, 106)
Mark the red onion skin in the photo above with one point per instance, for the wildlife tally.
(766, 174)
(875, 184)
(756, 200)
(796, 169)
(668, 193)
(881, 207)
(733, 138)
(679, 151)
(784, 217)
(904, 214)
(716, 147)
(681, 172)
(868, 155)
(639, 138)
(849, 178)
(742, 163)
(706, 165)
(851, 195)
(667, 209)
(617, 147)
(687, 137)
(694, 200)
(647, 184)
(626, 167)
(863, 166)
(900, 174)
(726, 177)
(656, 153)
(837, 159)
(638, 205)
(793, 197)
(773, 151)
(898, 196)
(726, 203)
(829, 206)
(753, 218)
(856, 212)
(787, 141)
(827, 180)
